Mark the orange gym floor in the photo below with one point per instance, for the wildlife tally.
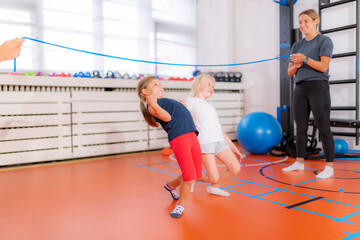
(122, 197)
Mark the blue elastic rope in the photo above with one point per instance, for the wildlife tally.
(144, 61)
(14, 64)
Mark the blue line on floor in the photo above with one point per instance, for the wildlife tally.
(262, 194)
(348, 216)
(174, 164)
(306, 195)
(236, 185)
(156, 170)
(346, 204)
(284, 164)
(256, 160)
(170, 168)
(285, 190)
(239, 192)
(242, 180)
(320, 214)
(282, 204)
(351, 235)
(306, 181)
(172, 174)
(256, 183)
(264, 199)
(262, 185)
(265, 185)
(144, 166)
(276, 190)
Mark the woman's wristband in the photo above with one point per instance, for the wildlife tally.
(306, 59)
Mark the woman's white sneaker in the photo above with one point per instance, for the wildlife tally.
(328, 172)
(294, 166)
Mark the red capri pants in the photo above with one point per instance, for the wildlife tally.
(187, 151)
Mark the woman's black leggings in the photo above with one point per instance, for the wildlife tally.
(313, 96)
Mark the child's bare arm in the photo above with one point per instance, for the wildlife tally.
(156, 110)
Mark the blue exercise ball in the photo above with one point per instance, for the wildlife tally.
(341, 146)
(258, 131)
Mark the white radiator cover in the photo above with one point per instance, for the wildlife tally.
(53, 118)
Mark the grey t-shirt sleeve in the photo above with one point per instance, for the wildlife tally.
(326, 47)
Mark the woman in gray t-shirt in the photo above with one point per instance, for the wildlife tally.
(310, 59)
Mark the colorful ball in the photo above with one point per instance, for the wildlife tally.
(258, 131)
(340, 146)
(166, 151)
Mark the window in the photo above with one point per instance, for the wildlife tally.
(175, 45)
(136, 29)
(175, 36)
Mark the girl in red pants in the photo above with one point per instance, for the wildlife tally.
(176, 120)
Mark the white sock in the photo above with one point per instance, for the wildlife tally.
(295, 166)
(217, 191)
(328, 172)
(192, 187)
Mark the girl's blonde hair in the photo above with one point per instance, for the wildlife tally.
(143, 83)
(312, 14)
(197, 82)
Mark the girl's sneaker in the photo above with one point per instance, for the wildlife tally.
(177, 212)
(172, 191)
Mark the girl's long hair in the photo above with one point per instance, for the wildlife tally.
(143, 83)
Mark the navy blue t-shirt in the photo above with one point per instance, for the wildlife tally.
(181, 120)
(319, 46)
